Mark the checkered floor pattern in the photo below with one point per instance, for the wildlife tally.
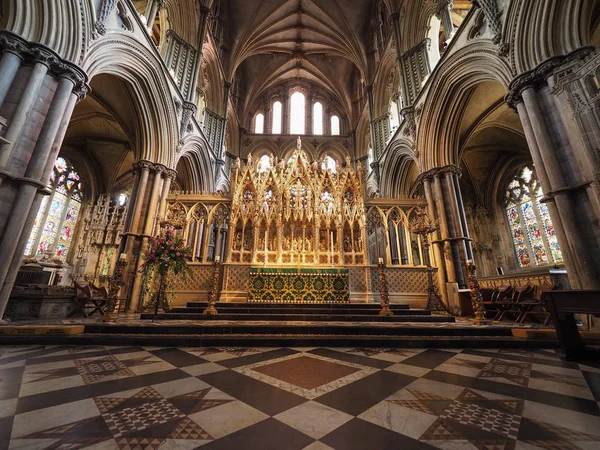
(102, 397)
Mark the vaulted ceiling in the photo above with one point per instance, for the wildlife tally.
(320, 41)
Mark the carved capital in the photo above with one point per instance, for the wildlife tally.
(37, 53)
(539, 76)
(143, 165)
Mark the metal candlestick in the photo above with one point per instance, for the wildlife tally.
(213, 293)
(476, 296)
(383, 292)
(423, 225)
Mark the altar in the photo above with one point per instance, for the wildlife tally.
(295, 285)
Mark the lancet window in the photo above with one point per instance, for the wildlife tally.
(259, 123)
(335, 125)
(318, 118)
(56, 219)
(277, 111)
(297, 115)
(533, 234)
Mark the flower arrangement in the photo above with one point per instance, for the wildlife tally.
(166, 254)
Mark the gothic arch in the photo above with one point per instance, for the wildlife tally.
(195, 159)
(437, 135)
(524, 20)
(25, 16)
(400, 172)
(262, 147)
(120, 55)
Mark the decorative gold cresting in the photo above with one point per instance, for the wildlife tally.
(297, 212)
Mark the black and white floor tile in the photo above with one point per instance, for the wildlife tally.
(102, 397)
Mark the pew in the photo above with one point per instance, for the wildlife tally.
(563, 305)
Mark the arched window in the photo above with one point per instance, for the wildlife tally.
(121, 199)
(259, 123)
(55, 222)
(328, 163)
(264, 163)
(394, 117)
(277, 109)
(317, 118)
(297, 113)
(533, 234)
(335, 125)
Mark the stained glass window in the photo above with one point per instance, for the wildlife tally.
(56, 219)
(532, 232)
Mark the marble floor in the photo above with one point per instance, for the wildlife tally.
(58, 397)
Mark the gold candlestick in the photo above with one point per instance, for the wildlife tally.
(476, 296)
(423, 225)
(383, 292)
(213, 293)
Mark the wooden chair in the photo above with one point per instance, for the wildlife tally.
(531, 304)
(503, 299)
(86, 294)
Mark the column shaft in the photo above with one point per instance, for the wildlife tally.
(19, 118)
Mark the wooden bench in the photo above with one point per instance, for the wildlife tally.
(563, 305)
(86, 294)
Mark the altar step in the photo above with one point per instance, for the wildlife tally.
(334, 312)
(289, 334)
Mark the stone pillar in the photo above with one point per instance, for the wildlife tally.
(309, 114)
(395, 22)
(147, 232)
(436, 243)
(202, 25)
(551, 100)
(129, 240)
(444, 13)
(285, 113)
(452, 245)
(38, 92)
(169, 175)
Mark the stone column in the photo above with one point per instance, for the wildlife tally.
(551, 100)
(309, 114)
(285, 113)
(38, 92)
(437, 244)
(129, 240)
(202, 25)
(169, 175)
(147, 232)
(444, 13)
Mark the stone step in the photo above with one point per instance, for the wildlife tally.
(357, 306)
(294, 329)
(257, 340)
(298, 317)
(304, 310)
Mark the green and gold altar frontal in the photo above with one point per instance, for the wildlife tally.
(287, 285)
